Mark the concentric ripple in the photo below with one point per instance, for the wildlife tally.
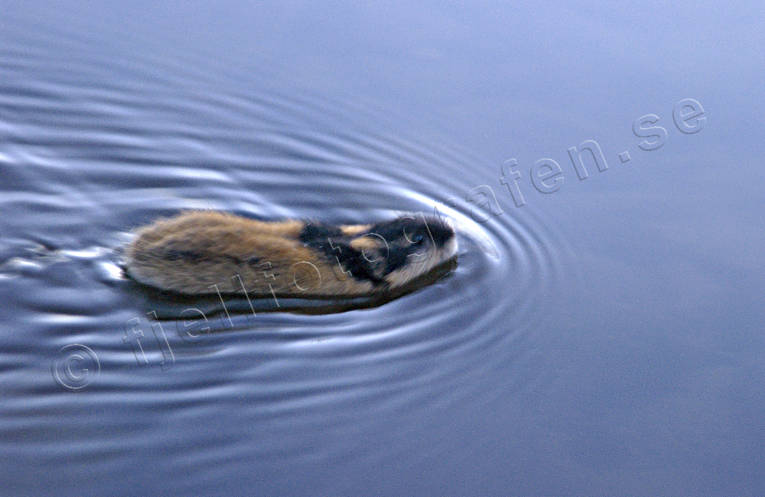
(95, 147)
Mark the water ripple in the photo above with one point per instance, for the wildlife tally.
(89, 156)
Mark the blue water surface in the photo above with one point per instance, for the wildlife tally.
(601, 334)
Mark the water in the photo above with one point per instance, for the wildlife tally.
(602, 338)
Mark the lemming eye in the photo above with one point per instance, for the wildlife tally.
(417, 239)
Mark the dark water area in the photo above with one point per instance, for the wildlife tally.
(601, 332)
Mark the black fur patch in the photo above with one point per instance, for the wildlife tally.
(330, 242)
(407, 236)
(405, 229)
(397, 258)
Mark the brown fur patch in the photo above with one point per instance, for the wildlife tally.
(365, 243)
(203, 252)
(354, 229)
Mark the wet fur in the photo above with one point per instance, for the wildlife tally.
(206, 252)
